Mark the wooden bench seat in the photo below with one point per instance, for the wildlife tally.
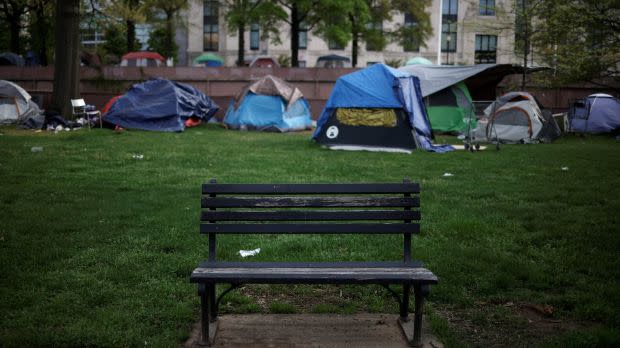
(312, 209)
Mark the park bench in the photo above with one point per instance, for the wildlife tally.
(390, 208)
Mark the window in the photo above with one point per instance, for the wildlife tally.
(254, 37)
(411, 43)
(334, 45)
(486, 49)
(303, 35)
(211, 25)
(487, 7)
(449, 19)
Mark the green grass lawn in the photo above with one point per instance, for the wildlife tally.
(96, 246)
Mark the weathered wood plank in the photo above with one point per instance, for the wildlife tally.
(309, 188)
(309, 202)
(349, 228)
(294, 274)
(310, 215)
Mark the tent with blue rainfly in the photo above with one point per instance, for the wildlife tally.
(160, 105)
(598, 113)
(269, 104)
(376, 109)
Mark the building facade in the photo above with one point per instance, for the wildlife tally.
(464, 32)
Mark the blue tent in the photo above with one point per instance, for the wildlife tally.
(269, 104)
(598, 113)
(160, 105)
(378, 87)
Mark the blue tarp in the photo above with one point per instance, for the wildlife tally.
(380, 86)
(269, 112)
(160, 105)
(599, 113)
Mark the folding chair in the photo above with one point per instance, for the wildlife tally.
(78, 108)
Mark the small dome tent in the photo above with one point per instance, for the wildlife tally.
(598, 113)
(160, 105)
(269, 104)
(16, 104)
(517, 117)
(376, 109)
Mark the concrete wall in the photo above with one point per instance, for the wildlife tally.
(221, 84)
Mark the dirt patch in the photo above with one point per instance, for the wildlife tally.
(507, 324)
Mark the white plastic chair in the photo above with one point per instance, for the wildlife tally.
(78, 108)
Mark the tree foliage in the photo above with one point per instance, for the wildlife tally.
(162, 38)
(241, 14)
(580, 39)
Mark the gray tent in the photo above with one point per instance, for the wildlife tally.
(16, 104)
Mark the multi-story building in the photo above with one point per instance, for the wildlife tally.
(464, 32)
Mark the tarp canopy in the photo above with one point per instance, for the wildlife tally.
(482, 79)
(16, 104)
(380, 86)
(418, 60)
(269, 104)
(598, 113)
(271, 85)
(160, 105)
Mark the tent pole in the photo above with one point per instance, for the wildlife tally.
(16, 106)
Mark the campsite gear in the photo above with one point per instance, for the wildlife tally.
(160, 105)
(16, 104)
(333, 61)
(516, 117)
(269, 104)
(418, 60)
(209, 60)
(598, 113)
(79, 109)
(379, 88)
(143, 59)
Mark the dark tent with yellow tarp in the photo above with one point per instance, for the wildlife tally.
(376, 109)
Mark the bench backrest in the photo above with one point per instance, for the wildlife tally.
(388, 208)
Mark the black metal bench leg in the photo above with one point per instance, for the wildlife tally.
(404, 304)
(419, 293)
(208, 322)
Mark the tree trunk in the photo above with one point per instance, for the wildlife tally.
(131, 35)
(42, 32)
(526, 45)
(354, 41)
(294, 36)
(169, 35)
(241, 45)
(66, 63)
(15, 27)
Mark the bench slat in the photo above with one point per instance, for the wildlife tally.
(360, 228)
(324, 275)
(310, 215)
(309, 188)
(309, 202)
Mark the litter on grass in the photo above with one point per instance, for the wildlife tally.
(448, 174)
(137, 156)
(246, 253)
(565, 168)
(36, 148)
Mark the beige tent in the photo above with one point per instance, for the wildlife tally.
(15, 103)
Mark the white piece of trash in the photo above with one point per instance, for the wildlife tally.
(138, 156)
(246, 253)
(36, 148)
(448, 174)
(564, 168)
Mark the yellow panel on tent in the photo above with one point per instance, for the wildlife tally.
(366, 117)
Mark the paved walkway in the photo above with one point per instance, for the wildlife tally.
(311, 330)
